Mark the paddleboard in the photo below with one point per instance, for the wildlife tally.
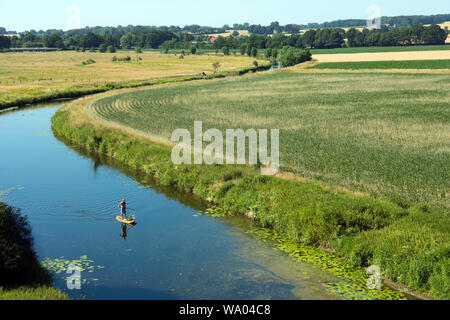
(131, 221)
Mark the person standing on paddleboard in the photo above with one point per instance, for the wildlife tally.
(123, 207)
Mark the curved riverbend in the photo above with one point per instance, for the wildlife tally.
(173, 253)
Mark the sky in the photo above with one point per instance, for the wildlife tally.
(22, 15)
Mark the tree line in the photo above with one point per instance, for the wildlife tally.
(150, 38)
(399, 21)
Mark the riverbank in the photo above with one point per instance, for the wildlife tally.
(22, 275)
(363, 230)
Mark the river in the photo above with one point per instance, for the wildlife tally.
(172, 253)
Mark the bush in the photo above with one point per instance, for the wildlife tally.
(291, 56)
(19, 264)
(88, 62)
(126, 59)
(111, 49)
(102, 48)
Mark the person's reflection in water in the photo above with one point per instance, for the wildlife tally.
(124, 232)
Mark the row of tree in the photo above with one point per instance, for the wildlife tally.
(327, 38)
(400, 21)
(166, 40)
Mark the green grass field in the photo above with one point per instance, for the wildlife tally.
(380, 49)
(386, 135)
(411, 64)
(32, 77)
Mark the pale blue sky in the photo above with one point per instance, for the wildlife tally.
(21, 15)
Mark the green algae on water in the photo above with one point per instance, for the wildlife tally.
(60, 266)
(216, 212)
(355, 287)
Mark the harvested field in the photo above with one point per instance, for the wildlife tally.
(384, 56)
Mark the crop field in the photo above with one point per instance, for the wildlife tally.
(229, 33)
(384, 56)
(24, 75)
(387, 135)
(408, 64)
(381, 49)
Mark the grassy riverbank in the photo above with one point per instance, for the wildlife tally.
(409, 244)
(22, 277)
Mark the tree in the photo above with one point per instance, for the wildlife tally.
(291, 56)
(102, 48)
(335, 39)
(53, 41)
(216, 66)
(415, 32)
(434, 34)
(91, 40)
(309, 38)
(193, 50)
(138, 50)
(5, 43)
(254, 52)
(226, 51)
(243, 49)
(111, 49)
(126, 41)
(268, 53)
(249, 50)
(275, 54)
(351, 37)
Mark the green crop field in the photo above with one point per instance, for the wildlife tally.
(380, 49)
(387, 135)
(411, 64)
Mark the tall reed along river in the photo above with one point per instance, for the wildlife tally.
(172, 253)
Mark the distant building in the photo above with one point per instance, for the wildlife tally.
(10, 35)
(212, 39)
(33, 49)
